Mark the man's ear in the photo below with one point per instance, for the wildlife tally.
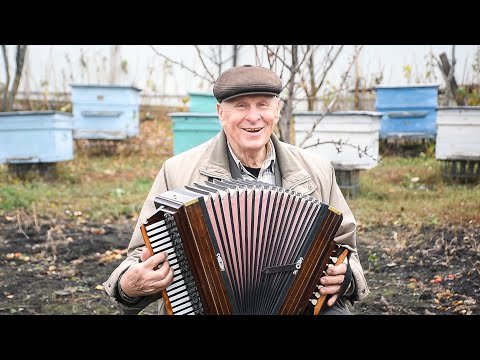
(220, 112)
(279, 111)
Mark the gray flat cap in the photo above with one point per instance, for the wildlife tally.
(246, 80)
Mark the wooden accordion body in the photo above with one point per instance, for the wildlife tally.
(242, 247)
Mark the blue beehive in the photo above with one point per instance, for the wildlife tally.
(105, 111)
(409, 110)
(35, 137)
(192, 129)
(202, 102)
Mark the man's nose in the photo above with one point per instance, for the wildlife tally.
(253, 114)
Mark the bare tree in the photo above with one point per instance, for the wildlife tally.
(336, 94)
(286, 61)
(313, 79)
(9, 92)
(214, 57)
(289, 62)
(293, 62)
(235, 55)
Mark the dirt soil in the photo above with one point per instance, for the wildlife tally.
(57, 267)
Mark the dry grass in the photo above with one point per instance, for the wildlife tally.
(412, 191)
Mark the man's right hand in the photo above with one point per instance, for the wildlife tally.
(144, 278)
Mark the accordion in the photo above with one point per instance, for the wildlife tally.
(243, 247)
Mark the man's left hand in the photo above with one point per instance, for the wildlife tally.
(332, 282)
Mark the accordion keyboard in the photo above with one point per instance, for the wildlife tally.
(181, 292)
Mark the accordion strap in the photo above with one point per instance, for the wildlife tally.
(348, 278)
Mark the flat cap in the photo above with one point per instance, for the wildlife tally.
(246, 80)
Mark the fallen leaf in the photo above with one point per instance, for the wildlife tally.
(411, 286)
(469, 301)
(69, 273)
(61, 293)
(97, 231)
(444, 294)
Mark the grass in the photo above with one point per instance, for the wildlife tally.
(412, 191)
(401, 191)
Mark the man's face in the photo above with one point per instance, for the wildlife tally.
(248, 120)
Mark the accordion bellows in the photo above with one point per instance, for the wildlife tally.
(242, 247)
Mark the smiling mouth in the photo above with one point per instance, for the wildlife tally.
(252, 130)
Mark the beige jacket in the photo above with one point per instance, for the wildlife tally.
(301, 170)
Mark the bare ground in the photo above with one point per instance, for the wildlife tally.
(57, 267)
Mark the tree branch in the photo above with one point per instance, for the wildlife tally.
(329, 66)
(338, 145)
(270, 52)
(181, 65)
(308, 135)
(204, 66)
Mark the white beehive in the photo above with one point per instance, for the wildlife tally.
(360, 129)
(458, 133)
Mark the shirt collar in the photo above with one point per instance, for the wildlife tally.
(269, 161)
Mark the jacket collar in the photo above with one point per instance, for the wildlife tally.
(294, 177)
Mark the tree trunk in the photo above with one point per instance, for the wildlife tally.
(7, 78)
(285, 123)
(235, 54)
(356, 99)
(311, 69)
(20, 60)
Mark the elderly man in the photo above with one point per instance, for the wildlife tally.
(246, 147)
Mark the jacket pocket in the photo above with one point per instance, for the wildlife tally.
(305, 187)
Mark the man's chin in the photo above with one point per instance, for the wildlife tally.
(253, 145)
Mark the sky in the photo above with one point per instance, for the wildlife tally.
(55, 67)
